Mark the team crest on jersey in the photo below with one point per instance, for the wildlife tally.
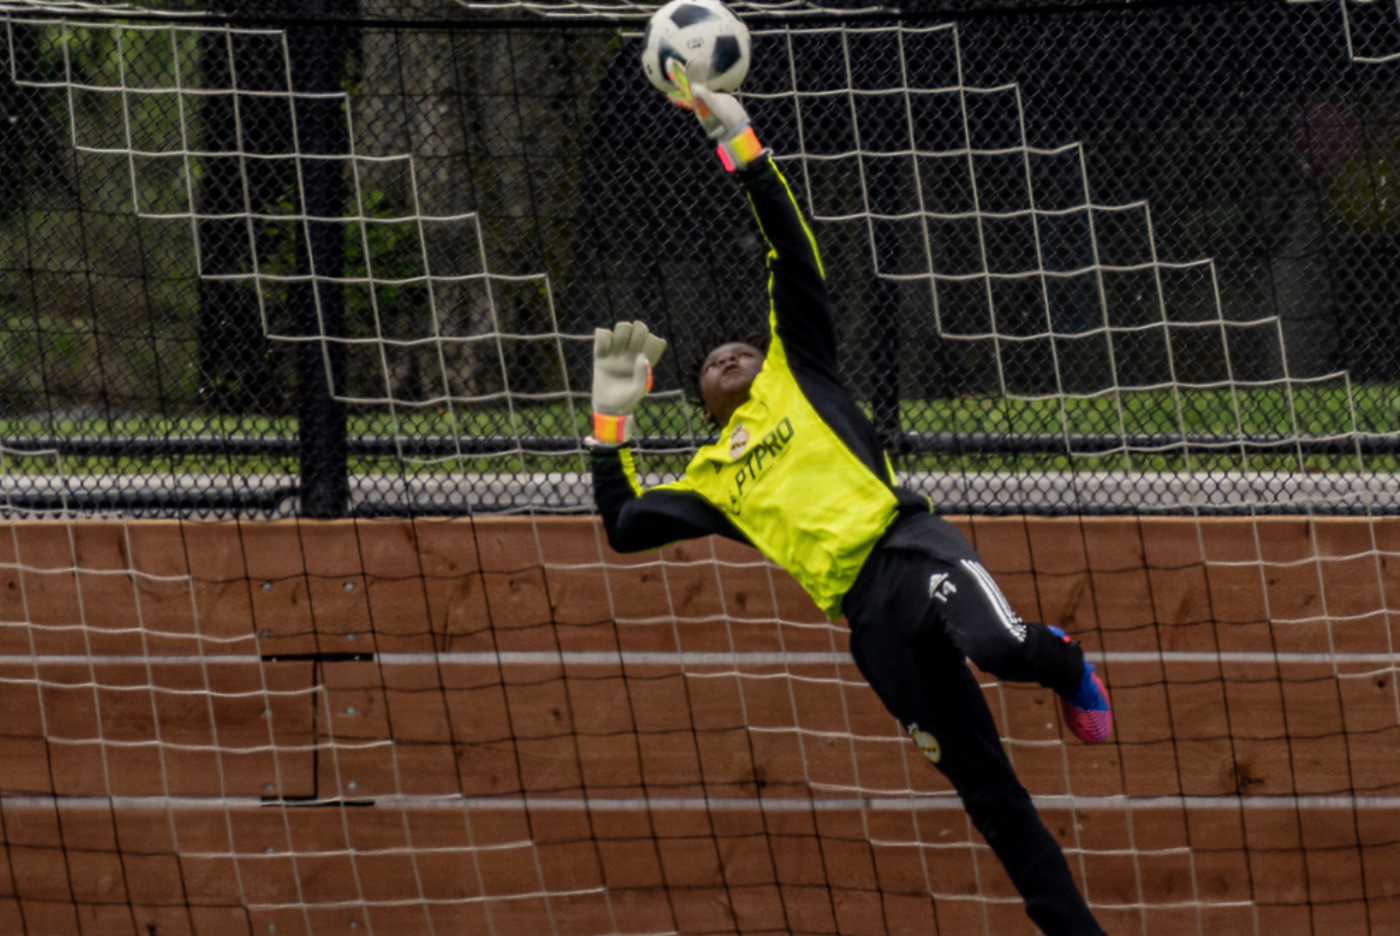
(750, 464)
(738, 440)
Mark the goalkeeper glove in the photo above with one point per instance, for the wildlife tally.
(722, 116)
(622, 360)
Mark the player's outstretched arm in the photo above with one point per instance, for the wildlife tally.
(801, 307)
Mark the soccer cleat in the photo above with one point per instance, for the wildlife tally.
(1086, 710)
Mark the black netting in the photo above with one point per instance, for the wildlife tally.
(339, 258)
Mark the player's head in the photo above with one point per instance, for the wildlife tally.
(723, 377)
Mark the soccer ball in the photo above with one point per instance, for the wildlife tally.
(697, 30)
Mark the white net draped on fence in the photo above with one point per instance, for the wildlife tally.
(308, 627)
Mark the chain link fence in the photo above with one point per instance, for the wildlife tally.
(347, 258)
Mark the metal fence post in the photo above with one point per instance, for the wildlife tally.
(318, 56)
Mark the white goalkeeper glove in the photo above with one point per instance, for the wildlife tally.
(722, 116)
(622, 361)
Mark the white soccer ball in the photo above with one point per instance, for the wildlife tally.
(704, 31)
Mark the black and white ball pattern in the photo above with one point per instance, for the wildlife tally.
(691, 30)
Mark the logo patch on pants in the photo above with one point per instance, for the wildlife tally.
(940, 586)
(926, 742)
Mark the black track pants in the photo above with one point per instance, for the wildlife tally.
(913, 619)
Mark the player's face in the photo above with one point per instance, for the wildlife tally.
(726, 376)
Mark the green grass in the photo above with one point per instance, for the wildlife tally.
(410, 422)
(1308, 410)
(1311, 410)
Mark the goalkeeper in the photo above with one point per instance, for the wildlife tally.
(799, 473)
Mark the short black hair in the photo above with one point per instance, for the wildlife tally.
(695, 365)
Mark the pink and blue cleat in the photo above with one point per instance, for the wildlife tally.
(1086, 710)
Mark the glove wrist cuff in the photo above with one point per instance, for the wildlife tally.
(739, 150)
(612, 430)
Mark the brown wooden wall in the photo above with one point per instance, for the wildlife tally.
(256, 695)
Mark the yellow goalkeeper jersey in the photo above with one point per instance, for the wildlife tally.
(798, 471)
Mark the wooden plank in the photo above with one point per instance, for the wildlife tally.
(1124, 584)
(435, 727)
(1183, 728)
(277, 586)
(198, 870)
(510, 583)
(131, 729)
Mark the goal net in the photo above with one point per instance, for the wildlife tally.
(308, 624)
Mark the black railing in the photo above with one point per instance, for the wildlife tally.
(910, 443)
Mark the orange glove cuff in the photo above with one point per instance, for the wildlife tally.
(613, 430)
(739, 151)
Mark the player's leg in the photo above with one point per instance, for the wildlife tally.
(983, 625)
(920, 675)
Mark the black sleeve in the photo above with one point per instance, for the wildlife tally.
(796, 281)
(803, 316)
(636, 521)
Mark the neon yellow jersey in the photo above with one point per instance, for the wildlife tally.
(795, 490)
(799, 471)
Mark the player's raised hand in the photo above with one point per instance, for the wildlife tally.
(622, 361)
(721, 115)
